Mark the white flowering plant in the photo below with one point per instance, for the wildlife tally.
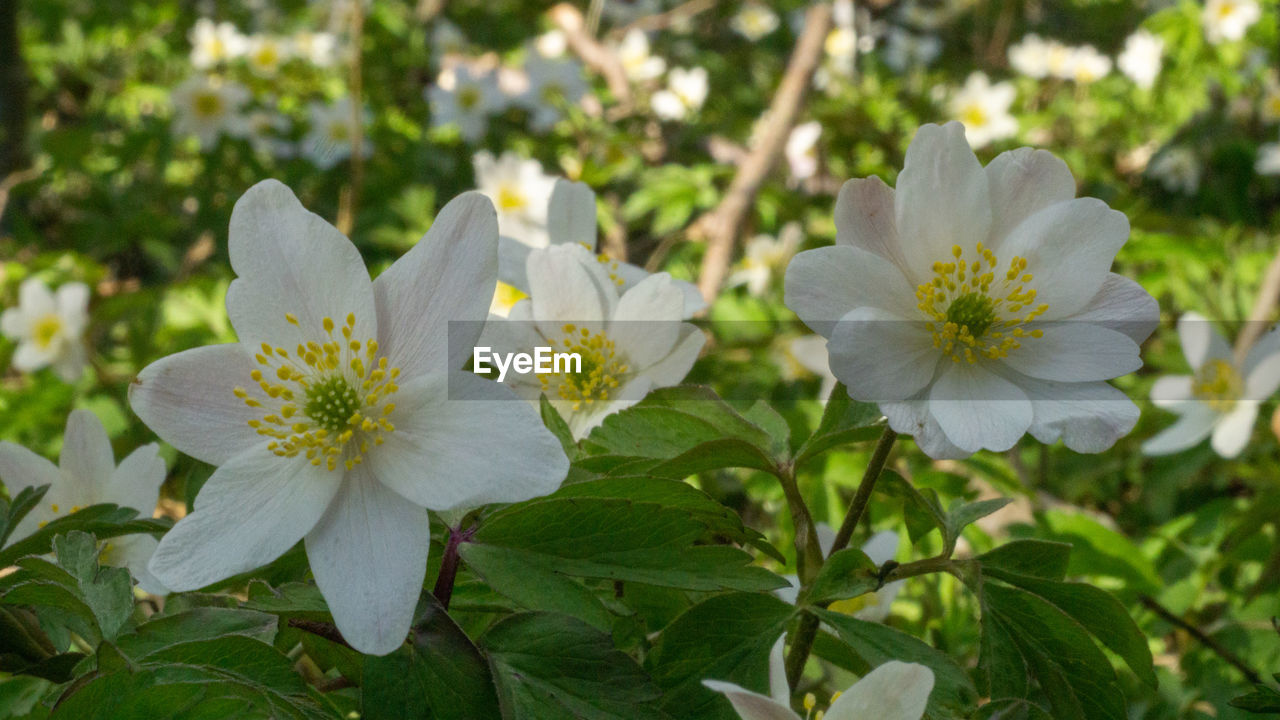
(905, 360)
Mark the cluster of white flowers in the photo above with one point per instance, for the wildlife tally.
(754, 20)
(49, 328)
(1039, 58)
(983, 108)
(1228, 20)
(684, 94)
(216, 44)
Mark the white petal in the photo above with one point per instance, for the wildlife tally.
(941, 199)
(1170, 391)
(14, 323)
(1200, 341)
(448, 276)
(1235, 428)
(73, 305)
(20, 469)
(1195, 425)
(646, 323)
(1069, 248)
(912, 417)
(253, 508)
(187, 399)
(1075, 352)
(70, 365)
(512, 258)
(571, 214)
(881, 547)
(1262, 367)
(86, 450)
(880, 356)
(779, 688)
(1122, 305)
(29, 358)
(466, 442)
(1023, 182)
(589, 417)
(35, 299)
(567, 286)
(978, 409)
(883, 598)
(824, 284)
(671, 369)
(134, 552)
(289, 260)
(369, 556)
(1087, 416)
(136, 483)
(864, 219)
(750, 705)
(893, 691)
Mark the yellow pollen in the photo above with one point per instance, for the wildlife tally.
(601, 371)
(510, 198)
(208, 104)
(47, 330)
(1218, 384)
(333, 383)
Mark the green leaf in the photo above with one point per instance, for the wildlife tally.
(101, 521)
(921, 507)
(846, 574)
(1263, 700)
(11, 513)
(1012, 709)
(300, 600)
(962, 515)
(1033, 558)
(616, 539)
(558, 427)
(535, 587)
(953, 692)
(205, 623)
(440, 674)
(548, 666)
(725, 637)
(843, 421)
(97, 601)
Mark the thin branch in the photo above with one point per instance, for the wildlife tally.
(1234, 660)
(350, 197)
(321, 629)
(1263, 306)
(860, 499)
(592, 52)
(722, 225)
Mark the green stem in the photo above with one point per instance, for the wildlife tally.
(808, 551)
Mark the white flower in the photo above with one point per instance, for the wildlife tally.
(628, 344)
(1178, 169)
(1030, 56)
(1140, 60)
(879, 548)
(342, 415)
(810, 353)
(551, 44)
(554, 84)
(685, 92)
(976, 304)
(263, 129)
(984, 110)
(1221, 399)
(49, 328)
(332, 130)
(267, 53)
(206, 106)
(215, 43)
(764, 256)
(1228, 19)
(633, 53)
(802, 150)
(892, 691)
(318, 48)
(569, 218)
(904, 49)
(446, 39)
(1268, 162)
(521, 192)
(86, 474)
(464, 97)
(754, 20)
(1087, 65)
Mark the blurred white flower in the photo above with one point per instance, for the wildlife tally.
(464, 97)
(1178, 169)
(1030, 56)
(765, 256)
(215, 43)
(1221, 398)
(318, 48)
(86, 474)
(264, 129)
(333, 129)
(904, 49)
(554, 84)
(983, 108)
(207, 106)
(802, 150)
(629, 343)
(1268, 162)
(1229, 19)
(551, 44)
(267, 53)
(446, 40)
(1140, 60)
(639, 64)
(810, 353)
(1088, 65)
(48, 327)
(520, 191)
(754, 20)
(685, 92)
(347, 442)
(977, 304)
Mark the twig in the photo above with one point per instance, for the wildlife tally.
(722, 225)
(595, 55)
(321, 629)
(350, 197)
(1263, 306)
(664, 20)
(449, 566)
(1151, 604)
(338, 683)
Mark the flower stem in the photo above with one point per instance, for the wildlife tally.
(808, 551)
(449, 566)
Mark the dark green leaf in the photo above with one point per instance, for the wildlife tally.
(846, 574)
(843, 421)
(1263, 700)
(1034, 558)
(101, 521)
(558, 427)
(11, 513)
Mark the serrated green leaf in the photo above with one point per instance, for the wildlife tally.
(843, 421)
(102, 521)
(108, 591)
(964, 514)
(558, 427)
(535, 587)
(11, 513)
(846, 574)
(205, 623)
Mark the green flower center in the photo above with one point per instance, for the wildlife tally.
(46, 331)
(972, 311)
(1218, 385)
(331, 403)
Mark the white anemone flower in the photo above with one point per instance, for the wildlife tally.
(977, 304)
(764, 257)
(329, 141)
(754, 21)
(342, 415)
(1229, 19)
(1220, 401)
(318, 48)
(685, 92)
(215, 43)
(809, 352)
(86, 474)
(639, 64)
(207, 106)
(892, 691)
(1140, 60)
(1268, 162)
(465, 97)
(984, 110)
(802, 150)
(554, 84)
(570, 219)
(265, 130)
(1087, 65)
(629, 343)
(520, 191)
(267, 53)
(1178, 169)
(904, 49)
(1030, 56)
(49, 328)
